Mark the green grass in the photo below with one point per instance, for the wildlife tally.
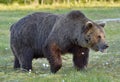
(101, 67)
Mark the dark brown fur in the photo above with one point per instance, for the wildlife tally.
(48, 35)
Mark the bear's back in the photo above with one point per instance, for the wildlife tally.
(32, 31)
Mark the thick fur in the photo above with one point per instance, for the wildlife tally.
(49, 35)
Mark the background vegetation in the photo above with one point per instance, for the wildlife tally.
(101, 68)
(52, 4)
(53, 1)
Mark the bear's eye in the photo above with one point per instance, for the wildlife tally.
(99, 37)
(88, 39)
(88, 36)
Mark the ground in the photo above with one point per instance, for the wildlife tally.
(101, 68)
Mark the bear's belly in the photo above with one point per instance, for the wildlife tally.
(38, 56)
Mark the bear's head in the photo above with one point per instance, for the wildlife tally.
(94, 36)
(87, 33)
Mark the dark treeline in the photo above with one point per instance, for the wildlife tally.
(52, 1)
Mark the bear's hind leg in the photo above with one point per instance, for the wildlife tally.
(16, 63)
(16, 60)
(80, 58)
(26, 59)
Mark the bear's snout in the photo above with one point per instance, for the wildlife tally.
(103, 48)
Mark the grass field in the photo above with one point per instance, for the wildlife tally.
(101, 68)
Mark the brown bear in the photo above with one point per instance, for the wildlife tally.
(47, 35)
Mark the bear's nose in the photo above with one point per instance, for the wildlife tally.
(105, 46)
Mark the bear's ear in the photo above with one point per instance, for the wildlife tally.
(88, 26)
(102, 24)
(75, 14)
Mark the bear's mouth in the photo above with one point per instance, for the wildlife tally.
(95, 49)
(102, 50)
(98, 49)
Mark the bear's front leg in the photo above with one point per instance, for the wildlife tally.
(53, 54)
(80, 57)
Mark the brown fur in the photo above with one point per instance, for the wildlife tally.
(49, 35)
(55, 59)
